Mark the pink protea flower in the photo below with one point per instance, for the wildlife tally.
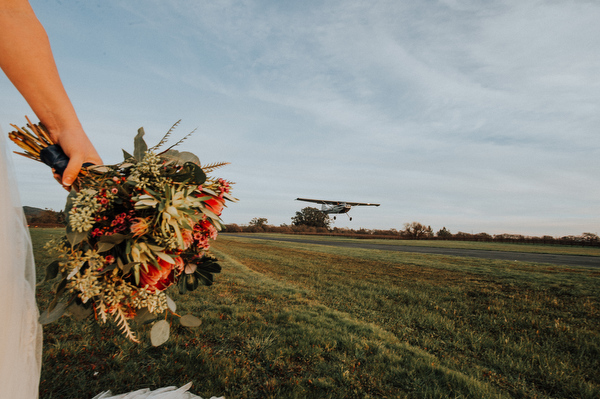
(188, 238)
(139, 227)
(208, 229)
(179, 264)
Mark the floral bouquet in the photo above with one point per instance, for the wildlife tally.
(133, 229)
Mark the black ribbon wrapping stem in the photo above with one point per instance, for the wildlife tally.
(55, 157)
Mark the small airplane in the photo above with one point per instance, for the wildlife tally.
(336, 207)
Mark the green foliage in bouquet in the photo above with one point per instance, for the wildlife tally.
(133, 230)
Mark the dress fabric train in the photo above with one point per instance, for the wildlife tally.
(161, 393)
(20, 332)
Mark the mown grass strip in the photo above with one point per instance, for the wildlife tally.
(486, 246)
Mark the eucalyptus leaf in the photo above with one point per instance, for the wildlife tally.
(116, 238)
(139, 145)
(144, 316)
(180, 158)
(79, 312)
(107, 269)
(105, 246)
(75, 237)
(190, 268)
(190, 321)
(171, 304)
(190, 172)
(51, 316)
(51, 271)
(60, 288)
(106, 243)
(160, 333)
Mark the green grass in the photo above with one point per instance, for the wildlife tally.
(486, 246)
(290, 320)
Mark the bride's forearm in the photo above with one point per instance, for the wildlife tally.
(26, 59)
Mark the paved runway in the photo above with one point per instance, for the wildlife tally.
(565, 260)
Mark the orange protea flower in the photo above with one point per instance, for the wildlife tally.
(215, 205)
(158, 279)
(139, 227)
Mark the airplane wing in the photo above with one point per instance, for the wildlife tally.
(318, 201)
(361, 204)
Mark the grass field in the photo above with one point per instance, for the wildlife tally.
(481, 245)
(291, 320)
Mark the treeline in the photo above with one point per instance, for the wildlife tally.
(37, 217)
(412, 231)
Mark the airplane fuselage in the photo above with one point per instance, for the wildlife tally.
(335, 209)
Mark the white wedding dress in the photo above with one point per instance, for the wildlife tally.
(20, 332)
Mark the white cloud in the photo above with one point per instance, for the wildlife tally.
(455, 113)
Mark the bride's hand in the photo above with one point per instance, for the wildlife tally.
(78, 147)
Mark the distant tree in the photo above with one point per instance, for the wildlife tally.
(483, 237)
(44, 217)
(311, 217)
(443, 233)
(258, 224)
(233, 228)
(417, 230)
(591, 237)
(61, 217)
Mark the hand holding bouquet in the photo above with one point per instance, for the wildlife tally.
(133, 230)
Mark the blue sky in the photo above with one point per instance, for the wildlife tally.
(480, 116)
